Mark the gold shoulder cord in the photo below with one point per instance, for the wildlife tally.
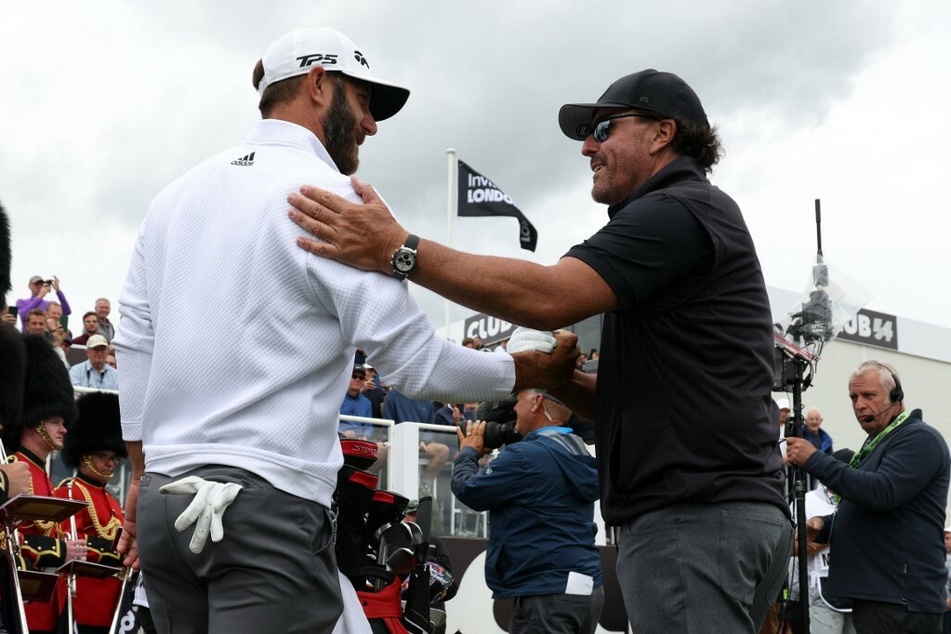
(111, 527)
(47, 528)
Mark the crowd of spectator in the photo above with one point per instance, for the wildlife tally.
(92, 363)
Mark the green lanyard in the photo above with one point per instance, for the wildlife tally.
(870, 444)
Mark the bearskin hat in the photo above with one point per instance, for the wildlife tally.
(46, 390)
(12, 362)
(6, 256)
(96, 429)
(11, 341)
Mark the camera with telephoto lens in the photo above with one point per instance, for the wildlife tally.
(499, 417)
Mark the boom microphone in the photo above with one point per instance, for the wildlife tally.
(870, 417)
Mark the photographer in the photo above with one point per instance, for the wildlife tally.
(540, 495)
(39, 289)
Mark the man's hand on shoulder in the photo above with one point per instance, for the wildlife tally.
(361, 235)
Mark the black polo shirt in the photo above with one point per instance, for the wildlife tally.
(684, 412)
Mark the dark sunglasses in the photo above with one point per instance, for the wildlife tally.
(603, 127)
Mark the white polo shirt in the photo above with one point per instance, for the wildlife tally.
(236, 346)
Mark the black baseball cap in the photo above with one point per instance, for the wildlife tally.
(649, 90)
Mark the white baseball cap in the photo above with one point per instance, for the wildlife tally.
(96, 341)
(296, 52)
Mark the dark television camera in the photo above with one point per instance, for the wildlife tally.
(499, 417)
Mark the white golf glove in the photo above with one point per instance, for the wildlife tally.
(205, 511)
(527, 340)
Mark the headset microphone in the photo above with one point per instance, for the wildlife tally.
(870, 417)
(895, 395)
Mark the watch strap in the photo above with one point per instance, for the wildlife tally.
(407, 250)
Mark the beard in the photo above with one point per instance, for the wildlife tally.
(339, 135)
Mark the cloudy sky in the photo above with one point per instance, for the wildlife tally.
(104, 103)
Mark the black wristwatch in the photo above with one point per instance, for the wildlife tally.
(404, 258)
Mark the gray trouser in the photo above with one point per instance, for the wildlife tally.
(274, 571)
(703, 567)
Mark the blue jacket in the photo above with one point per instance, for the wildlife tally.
(540, 495)
(821, 441)
(887, 535)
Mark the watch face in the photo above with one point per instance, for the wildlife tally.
(404, 261)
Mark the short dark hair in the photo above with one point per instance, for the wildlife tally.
(278, 93)
(698, 141)
(284, 91)
(91, 312)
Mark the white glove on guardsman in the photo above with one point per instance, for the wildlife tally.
(526, 340)
(205, 511)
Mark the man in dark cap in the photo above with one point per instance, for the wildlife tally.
(48, 407)
(686, 438)
(93, 447)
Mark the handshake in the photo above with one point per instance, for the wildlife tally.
(527, 340)
(550, 370)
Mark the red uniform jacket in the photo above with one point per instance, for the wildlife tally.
(42, 544)
(99, 523)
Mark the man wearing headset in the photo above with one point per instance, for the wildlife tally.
(887, 530)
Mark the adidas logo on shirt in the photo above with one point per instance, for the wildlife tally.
(244, 160)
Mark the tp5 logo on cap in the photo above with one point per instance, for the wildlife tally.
(325, 59)
(295, 54)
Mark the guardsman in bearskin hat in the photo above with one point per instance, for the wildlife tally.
(94, 447)
(14, 478)
(48, 407)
